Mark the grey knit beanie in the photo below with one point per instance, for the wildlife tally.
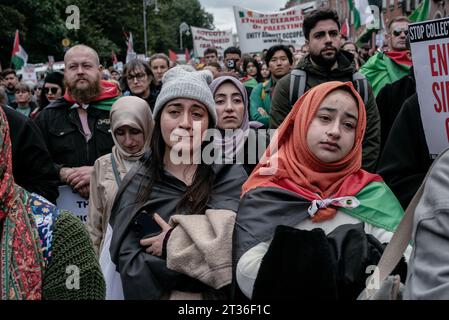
(185, 82)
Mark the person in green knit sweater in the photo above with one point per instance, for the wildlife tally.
(45, 253)
(279, 60)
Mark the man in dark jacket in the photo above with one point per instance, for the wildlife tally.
(405, 159)
(33, 168)
(326, 62)
(390, 100)
(10, 80)
(76, 127)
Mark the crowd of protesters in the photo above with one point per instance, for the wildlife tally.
(211, 181)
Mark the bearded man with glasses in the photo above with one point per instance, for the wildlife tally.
(393, 64)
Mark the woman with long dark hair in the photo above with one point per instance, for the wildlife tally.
(251, 68)
(173, 216)
(52, 90)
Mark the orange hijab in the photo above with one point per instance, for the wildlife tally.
(294, 162)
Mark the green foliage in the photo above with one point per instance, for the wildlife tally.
(7, 31)
(102, 26)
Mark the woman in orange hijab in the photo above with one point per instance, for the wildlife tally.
(310, 178)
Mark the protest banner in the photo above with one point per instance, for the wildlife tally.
(258, 31)
(429, 42)
(29, 74)
(205, 38)
(69, 200)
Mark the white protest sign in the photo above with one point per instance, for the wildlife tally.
(204, 38)
(430, 52)
(131, 56)
(29, 74)
(69, 200)
(258, 31)
(119, 66)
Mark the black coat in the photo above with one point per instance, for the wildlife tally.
(405, 159)
(390, 100)
(62, 131)
(145, 276)
(32, 165)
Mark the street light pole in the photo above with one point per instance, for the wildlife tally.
(145, 25)
(183, 27)
(180, 39)
(156, 11)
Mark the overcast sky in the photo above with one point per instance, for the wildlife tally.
(224, 15)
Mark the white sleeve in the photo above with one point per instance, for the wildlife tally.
(248, 267)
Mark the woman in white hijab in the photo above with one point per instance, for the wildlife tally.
(131, 127)
(237, 139)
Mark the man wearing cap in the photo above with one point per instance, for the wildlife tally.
(392, 65)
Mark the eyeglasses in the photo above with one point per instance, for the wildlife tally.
(397, 32)
(138, 76)
(53, 90)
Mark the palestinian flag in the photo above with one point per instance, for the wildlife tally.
(345, 28)
(19, 56)
(172, 55)
(363, 196)
(359, 15)
(421, 12)
(381, 70)
(114, 58)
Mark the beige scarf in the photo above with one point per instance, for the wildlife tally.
(136, 113)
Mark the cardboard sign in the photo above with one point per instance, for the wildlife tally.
(258, 31)
(73, 202)
(204, 38)
(29, 74)
(430, 52)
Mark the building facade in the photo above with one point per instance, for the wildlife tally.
(390, 9)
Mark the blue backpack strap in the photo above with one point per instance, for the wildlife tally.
(298, 79)
(118, 180)
(361, 85)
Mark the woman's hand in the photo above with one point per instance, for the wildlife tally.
(155, 244)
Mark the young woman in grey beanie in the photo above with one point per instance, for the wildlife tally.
(183, 250)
